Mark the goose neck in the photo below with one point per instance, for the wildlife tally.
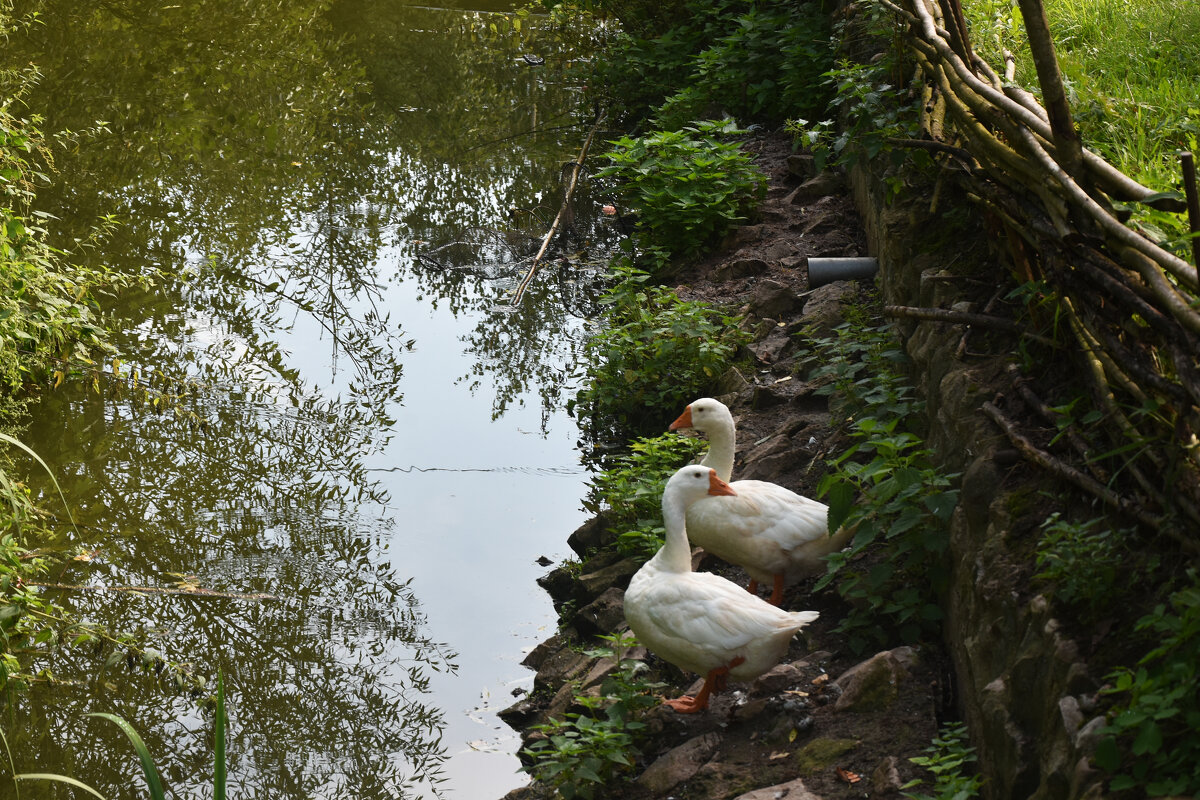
(721, 445)
(676, 552)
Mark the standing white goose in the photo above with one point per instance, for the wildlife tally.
(775, 534)
(699, 621)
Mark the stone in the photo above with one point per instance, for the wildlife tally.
(778, 443)
(779, 250)
(773, 299)
(792, 790)
(538, 655)
(534, 791)
(885, 779)
(776, 679)
(603, 615)
(677, 765)
(872, 685)
(823, 309)
(768, 467)
(829, 182)
(748, 234)
(618, 575)
(732, 382)
(564, 664)
(591, 535)
(802, 165)
(559, 583)
(520, 714)
(769, 350)
(741, 268)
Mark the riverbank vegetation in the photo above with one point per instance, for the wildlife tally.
(1137, 112)
(51, 331)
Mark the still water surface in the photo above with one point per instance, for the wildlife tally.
(336, 409)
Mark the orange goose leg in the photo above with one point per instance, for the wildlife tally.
(777, 593)
(715, 681)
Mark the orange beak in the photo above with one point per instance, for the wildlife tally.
(684, 421)
(718, 487)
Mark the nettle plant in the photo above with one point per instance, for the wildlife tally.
(592, 747)
(948, 762)
(1083, 560)
(689, 186)
(656, 354)
(1150, 742)
(630, 490)
(769, 61)
(887, 488)
(874, 114)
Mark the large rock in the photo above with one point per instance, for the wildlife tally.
(871, 685)
(772, 299)
(591, 535)
(603, 615)
(792, 790)
(593, 584)
(678, 765)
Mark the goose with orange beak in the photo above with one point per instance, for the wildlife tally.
(776, 535)
(699, 621)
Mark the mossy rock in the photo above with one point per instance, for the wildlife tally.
(821, 754)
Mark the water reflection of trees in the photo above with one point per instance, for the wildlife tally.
(278, 153)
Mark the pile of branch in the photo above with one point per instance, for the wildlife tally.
(1130, 305)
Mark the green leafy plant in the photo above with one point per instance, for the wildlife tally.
(1151, 742)
(656, 354)
(587, 749)
(948, 756)
(629, 490)
(870, 115)
(759, 61)
(688, 186)
(887, 488)
(768, 64)
(1082, 559)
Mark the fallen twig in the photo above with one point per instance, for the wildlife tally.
(562, 211)
(965, 318)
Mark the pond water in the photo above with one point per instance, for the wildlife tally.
(334, 452)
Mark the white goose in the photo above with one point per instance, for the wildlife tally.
(775, 534)
(699, 621)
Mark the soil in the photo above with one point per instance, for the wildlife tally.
(788, 725)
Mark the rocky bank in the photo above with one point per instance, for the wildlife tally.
(826, 723)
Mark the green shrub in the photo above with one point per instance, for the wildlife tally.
(867, 115)
(887, 488)
(1152, 740)
(587, 749)
(656, 354)
(769, 66)
(760, 61)
(1083, 560)
(689, 186)
(630, 490)
(49, 332)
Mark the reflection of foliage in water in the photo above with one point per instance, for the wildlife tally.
(341, 644)
(275, 157)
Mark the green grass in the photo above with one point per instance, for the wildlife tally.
(1133, 77)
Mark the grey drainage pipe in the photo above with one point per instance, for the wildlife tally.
(827, 270)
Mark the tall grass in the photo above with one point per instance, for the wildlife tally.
(1133, 77)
